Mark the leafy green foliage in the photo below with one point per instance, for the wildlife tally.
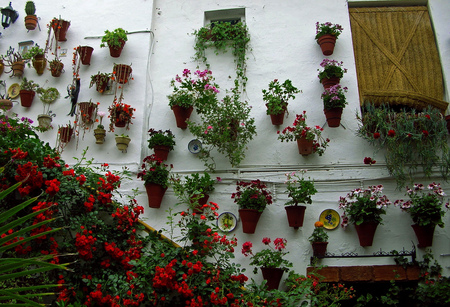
(299, 189)
(159, 137)
(277, 96)
(114, 38)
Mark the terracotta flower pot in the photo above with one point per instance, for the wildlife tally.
(116, 51)
(249, 218)
(31, 22)
(182, 115)
(155, 194)
(87, 110)
(122, 73)
(366, 232)
(277, 119)
(273, 277)
(85, 54)
(26, 98)
(333, 117)
(319, 248)
(57, 70)
(17, 68)
(327, 43)
(201, 202)
(329, 82)
(305, 147)
(424, 234)
(295, 215)
(161, 152)
(39, 64)
(60, 28)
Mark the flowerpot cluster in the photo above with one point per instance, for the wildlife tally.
(364, 207)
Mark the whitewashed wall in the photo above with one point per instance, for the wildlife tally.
(283, 47)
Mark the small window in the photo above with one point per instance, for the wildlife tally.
(232, 16)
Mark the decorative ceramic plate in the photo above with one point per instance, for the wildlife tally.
(226, 221)
(330, 219)
(194, 146)
(13, 90)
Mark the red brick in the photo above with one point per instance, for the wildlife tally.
(331, 274)
(389, 272)
(356, 273)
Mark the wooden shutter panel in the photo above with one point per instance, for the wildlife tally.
(397, 61)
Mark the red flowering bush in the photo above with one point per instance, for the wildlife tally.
(120, 112)
(252, 195)
(271, 257)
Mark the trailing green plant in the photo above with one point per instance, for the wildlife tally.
(32, 53)
(99, 80)
(160, 137)
(318, 234)
(114, 38)
(410, 138)
(226, 127)
(299, 189)
(222, 35)
(194, 184)
(277, 96)
(29, 85)
(48, 96)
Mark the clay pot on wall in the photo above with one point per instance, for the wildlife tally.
(327, 43)
(155, 194)
(182, 114)
(39, 63)
(26, 98)
(85, 54)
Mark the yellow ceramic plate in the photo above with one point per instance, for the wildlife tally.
(226, 221)
(13, 90)
(330, 218)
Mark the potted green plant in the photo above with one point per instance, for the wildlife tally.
(31, 19)
(276, 98)
(161, 142)
(14, 60)
(300, 191)
(252, 197)
(115, 40)
(101, 81)
(155, 175)
(197, 89)
(100, 131)
(426, 209)
(334, 102)
(56, 67)
(411, 140)
(364, 207)
(122, 142)
(27, 92)
(331, 73)
(194, 189)
(319, 240)
(326, 35)
(37, 56)
(120, 115)
(47, 96)
(223, 35)
(270, 260)
(309, 139)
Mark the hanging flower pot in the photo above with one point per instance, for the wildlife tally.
(201, 201)
(122, 73)
(60, 28)
(56, 68)
(161, 152)
(87, 110)
(249, 218)
(6, 104)
(122, 142)
(101, 81)
(277, 119)
(31, 22)
(39, 63)
(327, 43)
(273, 277)
(116, 51)
(26, 98)
(319, 248)
(424, 234)
(65, 134)
(18, 68)
(155, 194)
(45, 121)
(366, 232)
(182, 114)
(99, 134)
(329, 82)
(305, 147)
(85, 54)
(295, 215)
(333, 117)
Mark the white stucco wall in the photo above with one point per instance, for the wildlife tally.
(283, 46)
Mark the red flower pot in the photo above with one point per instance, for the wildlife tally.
(122, 73)
(201, 202)
(161, 152)
(424, 234)
(327, 43)
(60, 28)
(333, 117)
(277, 119)
(366, 232)
(26, 98)
(65, 134)
(155, 194)
(273, 277)
(181, 115)
(116, 51)
(305, 147)
(295, 215)
(249, 218)
(329, 82)
(85, 54)
(319, 248)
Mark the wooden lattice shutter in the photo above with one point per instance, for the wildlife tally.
(396, 57)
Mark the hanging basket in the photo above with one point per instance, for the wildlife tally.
(122, 73)
(249, 218)
(85, 54)
(333, 117)
(182, 114)
(305, 147)
(424, 234)
(65, 134)
(273, 277)
(366, 232)
(327, 43)
(155, 194)
(295, 215)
